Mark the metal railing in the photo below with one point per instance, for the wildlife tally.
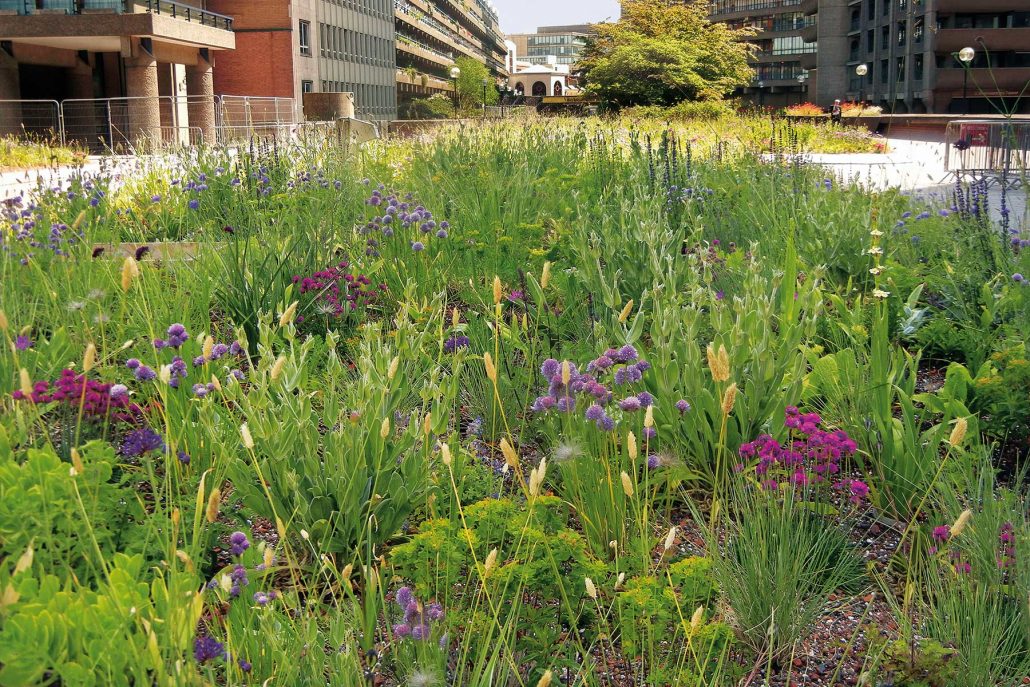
(998, 151)
(170, 8)
(192, 14)
(123, 125)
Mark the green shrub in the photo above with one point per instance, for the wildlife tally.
(437, 106)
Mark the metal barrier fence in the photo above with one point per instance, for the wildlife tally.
(996, 150)
(121, 125)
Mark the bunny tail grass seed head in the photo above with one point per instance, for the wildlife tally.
(89, 359)
(624, 315)
(958, 432)
(248, 440)
(961, 523)
(497, 289)
(729, 398)
(488, 363)
(213, 503)
(277, 367)
(288, 314)
(627, 485)
(545, 276)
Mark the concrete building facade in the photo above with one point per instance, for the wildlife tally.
(148, 54)
(910, 49)
(286, 48)
(782, 56)
(432, 34)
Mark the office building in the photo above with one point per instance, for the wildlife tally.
(911, 53)
(782, 55)
(552, 45)
(432, 34)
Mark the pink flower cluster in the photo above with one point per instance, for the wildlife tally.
(99, 400)
(337, 291)
(811, 456)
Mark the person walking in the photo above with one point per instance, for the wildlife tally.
(836, 112)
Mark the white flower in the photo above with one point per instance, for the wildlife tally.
(875, 250)
(879, 293)
(876, 232)
(875, 271)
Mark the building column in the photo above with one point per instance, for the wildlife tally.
(80, 81)
(10, 89)
(144, 116)
(200, 91)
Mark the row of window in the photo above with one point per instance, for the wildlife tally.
(382, 9)
(728, 6)
(555, 39)
(773, 71)
(338, 43)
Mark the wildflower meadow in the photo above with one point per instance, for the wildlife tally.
(598, 403)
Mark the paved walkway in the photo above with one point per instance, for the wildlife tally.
(917, 167)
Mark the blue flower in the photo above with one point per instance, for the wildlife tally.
(207, 649)
(194, 204)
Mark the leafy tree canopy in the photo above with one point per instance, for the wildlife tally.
(660, 53)
(470, 83)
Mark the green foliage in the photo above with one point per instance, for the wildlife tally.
(926, 663)
(660, 53)
(779, 565)
(474, 83)
(437, 106)
(43, 506)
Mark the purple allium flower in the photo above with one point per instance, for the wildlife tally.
(683, 406)
(119, 391)
(239, 543)
(653, 461)
(1017, 277)
(404, 597)
(207, 649)
(23, 343)
(420, 632)
(194, 204)
(402, 629)
(132, 363)
(144, 374)
(244, 665)
(454, 343)
(262, 598)
(183, 457)
(595, 413)
(418, 246)
(156, 198)
(645, 399)
(550, 368)
(650, 432)
(200, 390)
(629, 404)
(141, 441)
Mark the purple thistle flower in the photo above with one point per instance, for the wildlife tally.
(941, 533)
(23, 343)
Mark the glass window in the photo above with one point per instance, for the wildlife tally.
(304, 35)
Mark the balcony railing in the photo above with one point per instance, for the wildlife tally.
(164, 7)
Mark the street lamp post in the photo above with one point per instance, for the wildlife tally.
(485, 82)
(801, 88)
(861, 70)
(965, 56)
(455, 73)
(761, 95)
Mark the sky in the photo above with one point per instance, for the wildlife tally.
(524, 16)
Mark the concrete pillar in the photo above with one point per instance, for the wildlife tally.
(144, 116)
(10, 89)
(80, 81)
(200, 89)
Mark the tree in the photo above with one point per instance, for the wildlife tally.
(470, 84)
(660, 54)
